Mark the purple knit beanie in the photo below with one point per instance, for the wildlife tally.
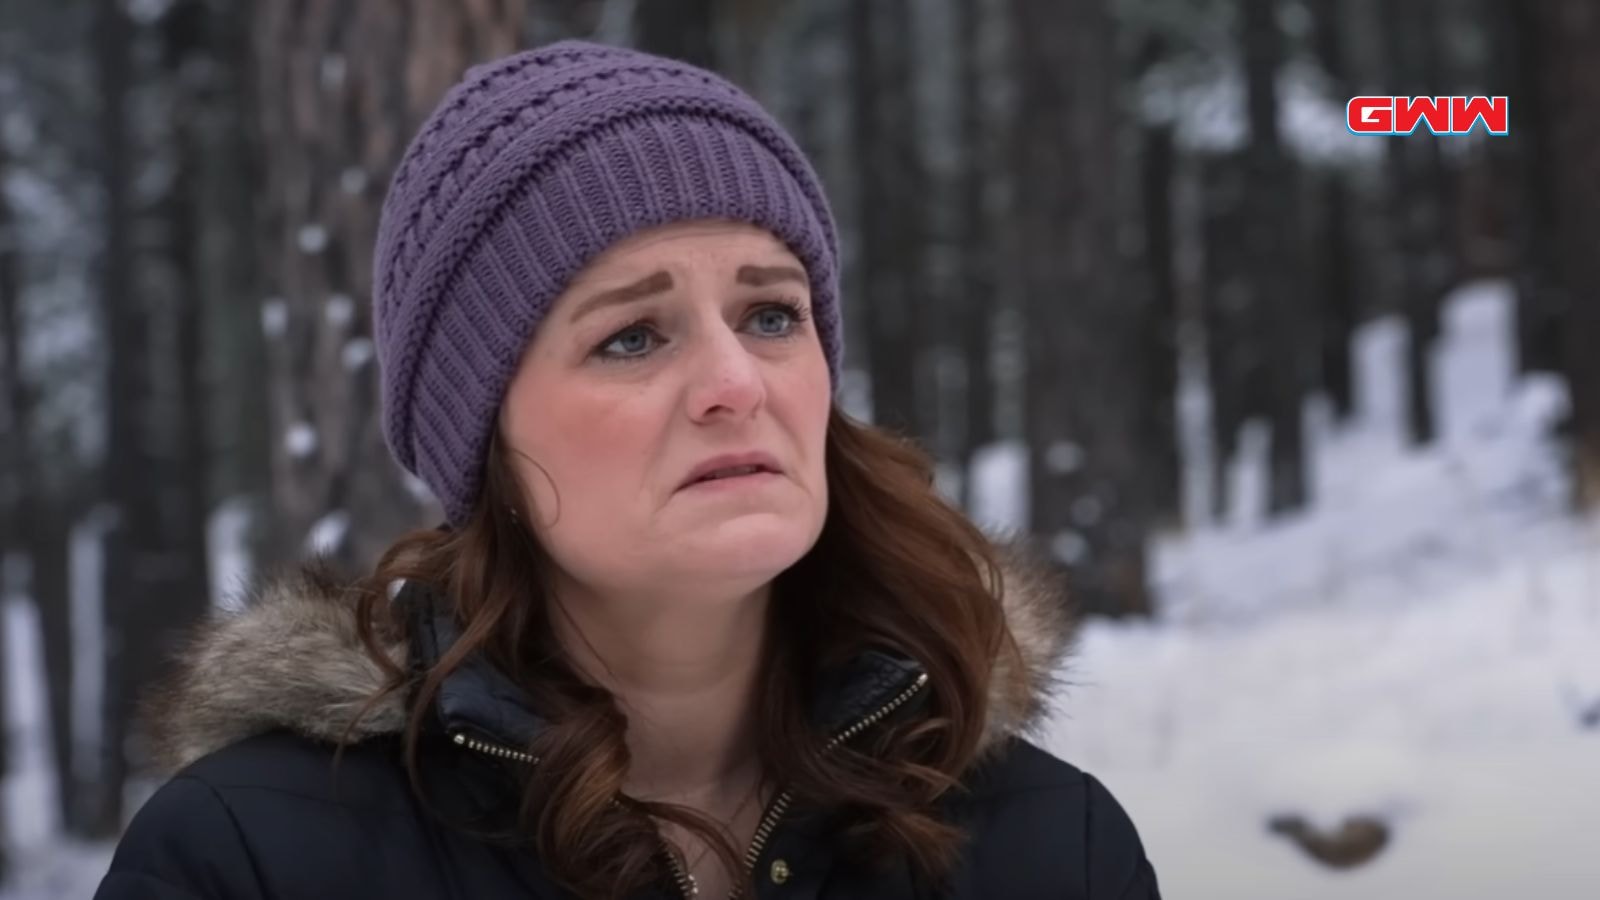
(529, 168)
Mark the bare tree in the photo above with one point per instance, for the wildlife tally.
(1157, 264)
(127, 391)
(1526, 70)
(14, 455)
(890, 190)
(226, 154)
(1083, 379)
(1424, 258)
(1571, 33)
(979, 294)
(184, 478)
(36, 511)
(1235, 361)
(1274, 257)
(155, 575)
(33, 521)
(1333, 272)
(680, 29)
(343, 84)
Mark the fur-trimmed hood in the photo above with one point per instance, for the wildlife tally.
(289, 657)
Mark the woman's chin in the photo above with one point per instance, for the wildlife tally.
(753, 555)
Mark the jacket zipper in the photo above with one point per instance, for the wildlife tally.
(775, 810)
(495, 750)
(780, 805)
(685, 884)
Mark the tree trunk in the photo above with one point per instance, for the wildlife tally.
(679, 29)
(15, 421)
(979, 287)
(1273, 253)
(1424, 259)
(888, 216)
(1335, 249)
(156, 580)
(127, 394)
(1572, 31)
(1235, 362)
(1338, 297)
(185, 457)
(344, 84)
(230, 167)
(29, 523)
(1087, 500)
(50, 585)
(1524, 66)
(1159, 346)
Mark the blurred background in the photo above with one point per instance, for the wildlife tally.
(1310, 420)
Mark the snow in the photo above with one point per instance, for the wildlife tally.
(46, 867)
(1419, 646)
(227, 542)
(357, 352)
(301, 440)
(1063, 457)
(615, 24)
(65, 870)
(1069, 547)
(312, 238)
(1447, 714)
(353, 180)
(333, 71)
(417, 488)
(17, 131)
(274, 317)
(855, 394)
(1383, 514)
(1208, 109)
(28, 802)
(328, 533)
(147, 12)
(340, 310)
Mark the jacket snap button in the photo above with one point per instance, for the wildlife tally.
(780, 871)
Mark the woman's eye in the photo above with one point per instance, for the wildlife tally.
(632, 341)
(775, 321)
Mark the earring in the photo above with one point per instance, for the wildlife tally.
(513, 512)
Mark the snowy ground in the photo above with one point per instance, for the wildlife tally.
(45, 867)
(1421, 646)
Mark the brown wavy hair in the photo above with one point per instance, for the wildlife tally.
(896, 566)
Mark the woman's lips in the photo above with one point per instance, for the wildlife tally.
(733, 482)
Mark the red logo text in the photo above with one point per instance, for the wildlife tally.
(1442, 115)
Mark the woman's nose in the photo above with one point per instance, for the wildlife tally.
(726, 378)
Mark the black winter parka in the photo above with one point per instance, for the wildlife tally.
(274, 800)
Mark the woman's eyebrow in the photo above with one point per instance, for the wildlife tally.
(661, 282)
(761, 276)
(657, 283)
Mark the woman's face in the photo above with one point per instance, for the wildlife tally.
(677, 346)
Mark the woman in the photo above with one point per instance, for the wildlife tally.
(689, 630)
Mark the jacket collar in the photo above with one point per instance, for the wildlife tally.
(290, 657)
(478, 701)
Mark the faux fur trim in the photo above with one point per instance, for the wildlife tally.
(1043, 628)
(289, 657)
